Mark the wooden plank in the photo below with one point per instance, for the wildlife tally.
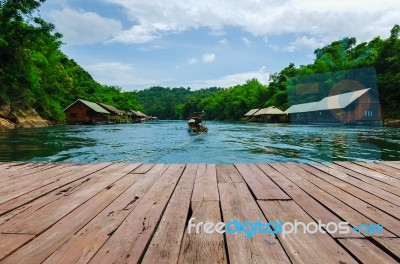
(128, 242)
(390, 223)
(392, 164)
(370, 173)
(33, 179)
(237, 203)
(390, 197)
(383, 169)
(301, 247)
(389, 208)
(202, 247)
(262, 186)
(334, 204)
(205, 185)
(166, 242)
(144, 168)
(29, 222)
(82, 246)
(366, 251)
(46, 243)
(29, 169)
(228, 174)
(391, 244)
(384, 186)
(40, 197)
(46, 185)
(11, 242)
(313, 207)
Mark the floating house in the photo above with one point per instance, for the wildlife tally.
(251, 112)
(85, 112)
(116, 115)
(113, 111)
(360, 107)
(136, 116)
(269, 114)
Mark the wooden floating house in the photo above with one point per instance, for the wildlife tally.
(85, 112)
(357, 107)
(136, 116)
(269, 114)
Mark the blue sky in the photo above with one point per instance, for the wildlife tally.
(136, 44)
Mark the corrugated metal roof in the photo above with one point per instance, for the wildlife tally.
(140, 113)
(251, 112)
(111, 108)
(300, 108)
(272, 110)
(339, 101)
(95, 107)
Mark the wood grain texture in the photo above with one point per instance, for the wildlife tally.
(166, 242)
(366, 251)
(84, 244)
(262, 186)
(238, 204)
(390, 223)
(128, 242)
(202, 247)
(334, 204)
(304, 248)
(205, 185)
(312, 206)
(130, 213)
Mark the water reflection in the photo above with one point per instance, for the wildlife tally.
(169, 142)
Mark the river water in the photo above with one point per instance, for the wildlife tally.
(226, 142)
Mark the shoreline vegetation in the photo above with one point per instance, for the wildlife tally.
(38, 81)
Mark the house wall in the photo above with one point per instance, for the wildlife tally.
(80, 113)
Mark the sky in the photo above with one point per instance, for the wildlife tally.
(136, 44)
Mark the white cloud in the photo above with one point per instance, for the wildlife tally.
(135, 35)
(363, 19)
(246, 42)
(129, 77)
(304, 41)
(119, 74)
(81, 28)
(231, 80)
(192, 61)
(208, 57)
(223, 42)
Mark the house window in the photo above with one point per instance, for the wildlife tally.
(368, 113)
(72, 115)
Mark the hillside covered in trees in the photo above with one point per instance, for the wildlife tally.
(34, 73)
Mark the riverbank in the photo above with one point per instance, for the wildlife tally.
(10, 119)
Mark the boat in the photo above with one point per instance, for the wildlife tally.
(196, 124)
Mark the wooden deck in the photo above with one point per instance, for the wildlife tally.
(118, 213)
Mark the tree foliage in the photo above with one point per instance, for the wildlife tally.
(34, 73)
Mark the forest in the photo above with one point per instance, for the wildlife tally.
(35, 73)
